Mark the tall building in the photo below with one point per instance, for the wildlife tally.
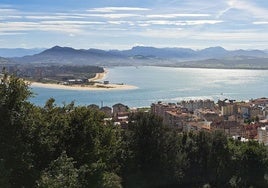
(263, 135)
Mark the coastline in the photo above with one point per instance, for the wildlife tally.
(99, 76)
(96, 87)
(80, 87)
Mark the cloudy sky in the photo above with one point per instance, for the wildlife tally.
(122, 24)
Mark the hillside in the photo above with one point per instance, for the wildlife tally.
(4, 60)
(213, 57)
(67, 55)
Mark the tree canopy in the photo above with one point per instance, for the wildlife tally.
(71, 146)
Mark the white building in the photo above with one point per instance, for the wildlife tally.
(263, 135)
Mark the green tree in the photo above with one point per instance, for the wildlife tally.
(15, 155)
(60, 173)
(95, 146)
(145, 140)
(251, 162)
(220, 165)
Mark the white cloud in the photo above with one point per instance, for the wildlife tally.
(10, 17)
(36, 26)
(43, 17)
(112, 16)
(183, 23)
(234, 36)
(7, 10)
(66, 22)
(17, 26)
(251, 8)
(261, 23)
(121, 22)
(162, 33)
(52, 17)
(114, 9)
(193, 23)
(11, 33)
(201, 22)
(222, 12)
(176, 15)
(144, 25)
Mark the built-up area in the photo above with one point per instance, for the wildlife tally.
(239, 120)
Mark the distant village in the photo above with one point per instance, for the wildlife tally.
(240, 120)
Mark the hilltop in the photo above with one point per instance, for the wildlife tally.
(212, 57)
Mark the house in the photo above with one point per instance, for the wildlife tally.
(93, 107)
(230, 128)
(250, 131)
(196, 126)
(229, 109)
(160, 108)
(192, 105)
(107, 110)
(206, 114)
(244, 110)
(118, 108)
(260, 101)
(75, 81)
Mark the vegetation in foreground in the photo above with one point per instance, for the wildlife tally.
(71, 146)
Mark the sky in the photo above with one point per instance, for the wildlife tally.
(122, 24)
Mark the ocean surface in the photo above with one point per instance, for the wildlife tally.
(165, 84)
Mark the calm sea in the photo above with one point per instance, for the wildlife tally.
(166, 84)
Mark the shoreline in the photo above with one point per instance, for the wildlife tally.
(99, 76)
(95, 87)
(200, 67)
(81, 87)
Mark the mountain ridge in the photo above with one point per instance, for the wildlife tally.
(144, 55)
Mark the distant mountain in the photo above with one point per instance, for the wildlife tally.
(160, 52)
(67, 55)
(252, 53)
(238, 62)
(19, 52)
(141, 55)
(67, 51)
(187, 53)
(213, 52)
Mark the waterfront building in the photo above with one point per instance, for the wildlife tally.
(160, 108)
(192, 105)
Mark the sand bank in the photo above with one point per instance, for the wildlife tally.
(95, 87)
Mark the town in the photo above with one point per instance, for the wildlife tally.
(239, 120)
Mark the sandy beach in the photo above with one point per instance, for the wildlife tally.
(95, 87)
(99, 76)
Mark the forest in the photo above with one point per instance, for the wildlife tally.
(71, 146)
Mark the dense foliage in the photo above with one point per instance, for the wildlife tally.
(71, 146)
(56, 73)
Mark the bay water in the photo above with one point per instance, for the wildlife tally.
(166, 84)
